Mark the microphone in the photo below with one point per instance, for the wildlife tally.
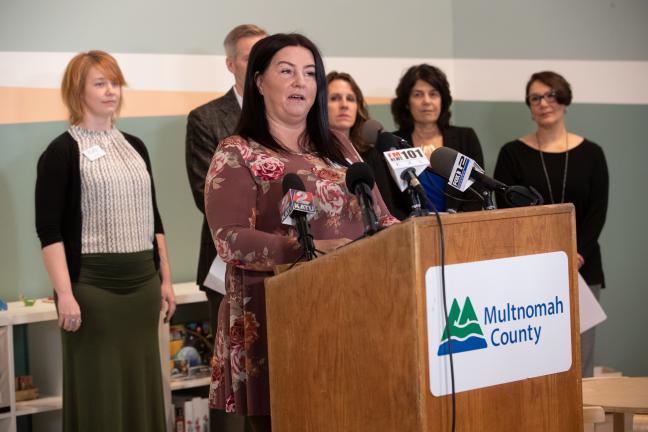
(461, 171)
(370, 131)
(373, 134)
(405, 163)
(405, 166)
(360, 181)
(296, 208)
(521, 196)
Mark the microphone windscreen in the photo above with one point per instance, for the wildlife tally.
(292, 181)
(388, 141)
(442, 161)
(520, 196)
(359, 172)
(370, 130)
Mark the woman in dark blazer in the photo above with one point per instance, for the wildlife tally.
(421, 110)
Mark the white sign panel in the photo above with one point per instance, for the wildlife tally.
(509, 320)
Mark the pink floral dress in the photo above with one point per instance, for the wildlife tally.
(242, 194)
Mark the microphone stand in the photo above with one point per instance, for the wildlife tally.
(305, 238)
(415, 203)
(488, 200)
(371, 224)
(419, 199)
(485, 195)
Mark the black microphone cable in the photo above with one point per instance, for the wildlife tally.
(445, 315)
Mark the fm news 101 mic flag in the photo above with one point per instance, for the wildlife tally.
(399, 161)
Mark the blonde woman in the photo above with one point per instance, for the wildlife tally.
(105, 253)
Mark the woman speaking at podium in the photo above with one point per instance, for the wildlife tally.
(283, 129)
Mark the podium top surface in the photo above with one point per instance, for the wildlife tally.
(510, 213)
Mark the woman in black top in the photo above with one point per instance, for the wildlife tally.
(105, 254)
(421, 110)
(563, 167)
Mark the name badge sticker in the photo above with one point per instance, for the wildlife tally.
(93, 153)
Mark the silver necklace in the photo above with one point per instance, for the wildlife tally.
(544, 168)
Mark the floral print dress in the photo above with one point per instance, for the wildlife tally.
(243, 190)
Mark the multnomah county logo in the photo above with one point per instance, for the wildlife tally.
(508, 319)
(465, 330)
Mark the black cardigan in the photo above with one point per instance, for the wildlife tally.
(58, 198)
(586, 187)
(462, 139)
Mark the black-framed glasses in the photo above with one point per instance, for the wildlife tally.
(550, 97)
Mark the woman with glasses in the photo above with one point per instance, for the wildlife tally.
(563, 167)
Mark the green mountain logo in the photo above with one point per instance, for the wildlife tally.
(466, 333)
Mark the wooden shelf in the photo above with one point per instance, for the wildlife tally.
(17, 313)
(44, 404)
(190, 383)
(188, 292)
(44, 342)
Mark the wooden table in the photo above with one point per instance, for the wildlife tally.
(621, 396)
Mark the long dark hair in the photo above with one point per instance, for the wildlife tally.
(400, 105)
(253, 123)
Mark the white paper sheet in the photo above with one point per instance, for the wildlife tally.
(590, 310)
(215, 279)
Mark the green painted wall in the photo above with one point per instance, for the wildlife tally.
(340, 28)
(569, 30)
(506, 29)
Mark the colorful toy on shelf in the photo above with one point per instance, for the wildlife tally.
(27, 301)
(25, 389)
(3, 305)
(190, 350)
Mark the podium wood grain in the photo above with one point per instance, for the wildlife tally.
(347, 332)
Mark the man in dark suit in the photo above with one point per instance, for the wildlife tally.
(207, 125)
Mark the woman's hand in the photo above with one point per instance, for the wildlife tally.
(69, 313)
(165, 276)
(581, 260)
(330, 245)
(168, 297)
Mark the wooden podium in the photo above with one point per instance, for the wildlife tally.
(347, 333)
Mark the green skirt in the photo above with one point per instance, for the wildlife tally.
(112, 379)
